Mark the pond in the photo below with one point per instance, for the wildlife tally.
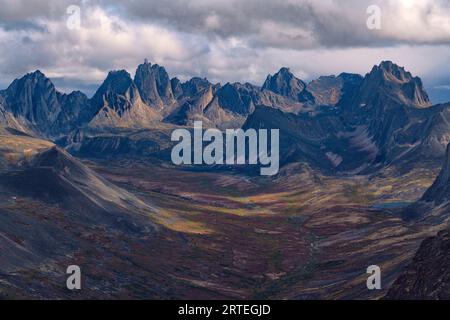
(392, 205)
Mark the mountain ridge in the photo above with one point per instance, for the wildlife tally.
(355, 123)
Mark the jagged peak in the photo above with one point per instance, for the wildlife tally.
(287, 85)
(31, 81)
(398, 83)
(154, 84)
(284, 73)
(37, 75)
(285, 70)
(391, 71)
(118, 73)
(347, 75)
(195, 85)
(118, 82)
(148, 66)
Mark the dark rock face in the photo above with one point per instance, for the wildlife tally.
(397, 119)
(376, 121)
(215, 105)
(36, 104)
(428, 275)
(76, 111)
(287, 85)
(236, 98)
(119, 104)
(330, 90)
(34, 98)
(301, 137)
(176, 88)
(439, 192)
(118, 92)
(388, 80)
(3, 113)
(195, 86)
(155, 86)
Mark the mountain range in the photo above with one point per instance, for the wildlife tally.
(346, 123)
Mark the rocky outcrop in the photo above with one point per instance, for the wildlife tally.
(38, 107)
(177, 90)
(329, 90)
(427, 277)
(155, 86)
(195, 86)
(428, 274)
(119, 104)
(390, 81)
(287, 85)
(33, 98)
(439, 192)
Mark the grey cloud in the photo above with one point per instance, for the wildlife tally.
(25, 10)
(23, 26)
(329, 23)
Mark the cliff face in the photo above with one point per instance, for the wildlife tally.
(439, 192)
(33, 104)
(287, 85)
(155, 86)
(428, 275)
(389, 80)
(120, 104)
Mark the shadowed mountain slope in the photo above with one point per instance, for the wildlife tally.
(382, 120)
(428, 274)
(38, 107)
(44, 191)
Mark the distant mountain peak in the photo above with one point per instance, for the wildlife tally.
(394, 81)
(285, 71)
(329, 90)
(195, 86)
(38, 74)
(287, 85)
(33, 97)
(118, 91)
(154, 84)
(117, 81)
(283, 74)
(116, 74)
(392, 71)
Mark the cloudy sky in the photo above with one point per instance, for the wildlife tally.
(223, 40)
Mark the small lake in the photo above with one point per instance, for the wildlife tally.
(392, 205)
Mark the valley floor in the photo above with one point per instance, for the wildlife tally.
(302, 236)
